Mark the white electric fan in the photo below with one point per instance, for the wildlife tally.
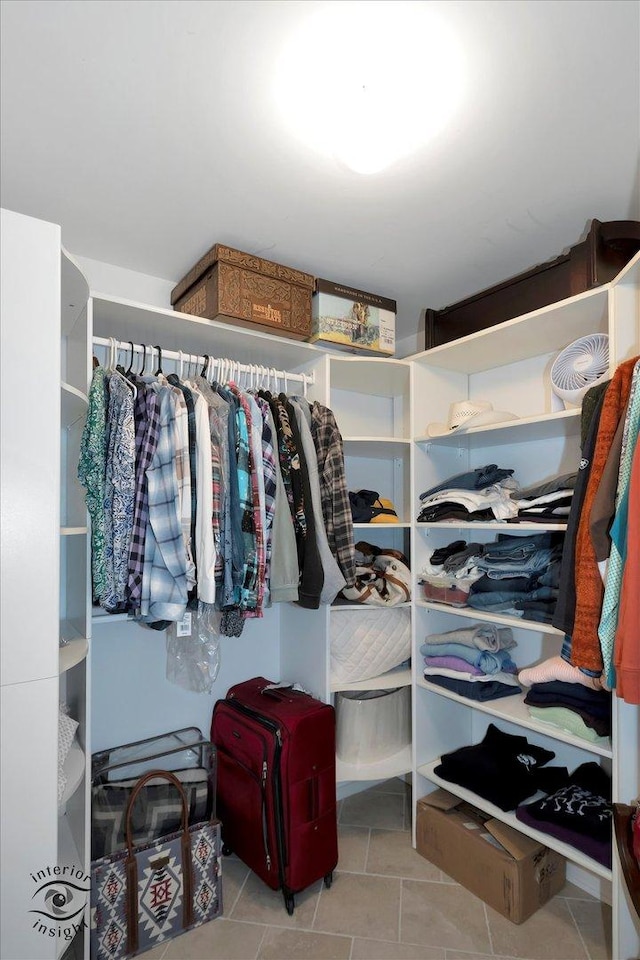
(580, 366)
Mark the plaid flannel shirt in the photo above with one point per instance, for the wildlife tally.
(336, 508)
(164, 578)
(147, 426)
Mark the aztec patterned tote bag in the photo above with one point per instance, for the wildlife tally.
(151, 892)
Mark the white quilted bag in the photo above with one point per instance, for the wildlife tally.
(368, 642)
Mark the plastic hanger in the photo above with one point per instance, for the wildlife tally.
(159, 369)
(130, 367)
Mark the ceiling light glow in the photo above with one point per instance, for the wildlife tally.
(369, 82)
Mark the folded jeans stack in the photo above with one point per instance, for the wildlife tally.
(519, 576)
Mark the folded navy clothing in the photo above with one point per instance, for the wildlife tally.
(598, 850)
(501, 769)
(489, 690)
(597, 702)
(439, 556)
(448, 510)
(476, 479)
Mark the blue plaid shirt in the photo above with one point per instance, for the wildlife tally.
(164, 577)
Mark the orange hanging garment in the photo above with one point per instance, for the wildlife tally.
(585, 645)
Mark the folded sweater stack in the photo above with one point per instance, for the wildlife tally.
(473, 662)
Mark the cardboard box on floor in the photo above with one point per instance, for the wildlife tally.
(508, 870)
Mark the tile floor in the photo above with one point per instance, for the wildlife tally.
(386, 903)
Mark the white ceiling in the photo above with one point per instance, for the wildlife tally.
(147, 130)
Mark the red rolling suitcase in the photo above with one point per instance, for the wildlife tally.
(276, 789)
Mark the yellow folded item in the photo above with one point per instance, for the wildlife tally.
(390, 515)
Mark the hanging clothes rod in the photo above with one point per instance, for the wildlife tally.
(232, 366)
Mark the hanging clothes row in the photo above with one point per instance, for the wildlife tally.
(204, 485)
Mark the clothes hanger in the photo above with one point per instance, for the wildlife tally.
(130, 367)
(144, 360)
(159, 369)
(180, 364)
(205, 365)
(116, 370)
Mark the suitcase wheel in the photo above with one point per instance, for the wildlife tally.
(328, 879)
(226, 850)
(289, 903)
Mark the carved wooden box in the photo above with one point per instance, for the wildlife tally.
(229, 285)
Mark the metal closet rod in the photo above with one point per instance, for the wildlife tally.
(181, 356)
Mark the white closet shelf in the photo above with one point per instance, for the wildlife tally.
(471, 614)
(69, 856)
(98, 615)
(402, 525)
(128, 320)
(353, 605)
(514, 710)
(72, 531)
(575, 856)
(72, 653)
(546, 330)
(73, 405)
(398, 677)
(376, 447)
(382, 376)
(74, 292)
(546, 426)
(394, 766)
(74, 769)
(497, 525)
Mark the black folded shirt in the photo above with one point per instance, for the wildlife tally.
(502, 768)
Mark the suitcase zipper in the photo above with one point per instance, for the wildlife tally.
(279, 818)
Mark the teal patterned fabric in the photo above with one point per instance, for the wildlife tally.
(615, 564)
(91, 474)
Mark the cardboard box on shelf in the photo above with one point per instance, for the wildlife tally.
(352, 319)
(508, 870)
(240, 288)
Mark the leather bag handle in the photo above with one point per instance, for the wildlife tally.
(131, 867)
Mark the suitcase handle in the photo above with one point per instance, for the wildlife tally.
(278, 693)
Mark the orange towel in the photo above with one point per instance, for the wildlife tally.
(585, 646)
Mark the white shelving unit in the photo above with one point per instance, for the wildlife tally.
(367, 393)
(508, 365)
(382, 407)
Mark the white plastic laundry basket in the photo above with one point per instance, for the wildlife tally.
(372, 724)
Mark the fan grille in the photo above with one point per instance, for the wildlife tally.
(580, 366)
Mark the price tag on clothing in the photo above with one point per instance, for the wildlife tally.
(183, 627)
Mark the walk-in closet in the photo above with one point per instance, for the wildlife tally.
(134, 137)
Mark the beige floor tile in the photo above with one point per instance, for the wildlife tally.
(395, 785)
(441, 915)
(219, 940)
(360, 906)
(353, 843)
(379, 950)
(392, 855)
(157, 953)
(234, 874)
(258, 903)
(593, 920)
(279, 944)
(370, 809)
(456, 955)
(572, 892)
(550, 934)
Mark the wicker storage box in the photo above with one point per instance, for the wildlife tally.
(237, 287)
